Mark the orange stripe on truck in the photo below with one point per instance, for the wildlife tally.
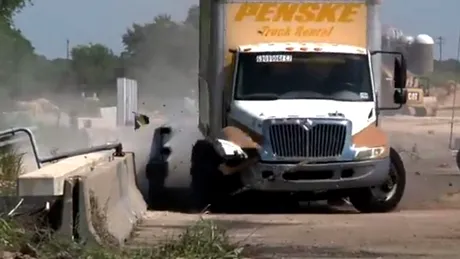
(241, 135)
(371, 136)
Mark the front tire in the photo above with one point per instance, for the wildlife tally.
(210, 188)
(384, 198)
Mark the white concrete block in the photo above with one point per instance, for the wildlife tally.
(49, 180)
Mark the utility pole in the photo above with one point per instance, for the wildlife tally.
(68, 49)
(440, 41)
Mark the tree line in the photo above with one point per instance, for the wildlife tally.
(150, 49)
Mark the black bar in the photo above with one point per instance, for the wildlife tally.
(12, 132)
(29, 133)
(117, 146)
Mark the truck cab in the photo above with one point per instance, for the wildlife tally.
(303, 118)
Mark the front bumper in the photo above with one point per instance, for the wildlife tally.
(316, 177)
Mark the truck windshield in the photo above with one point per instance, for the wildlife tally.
(296, 75)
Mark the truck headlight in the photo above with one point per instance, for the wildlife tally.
(369, 152)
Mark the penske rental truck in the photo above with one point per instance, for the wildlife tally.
(289, 102)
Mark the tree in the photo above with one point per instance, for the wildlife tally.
(16, 57)
(94, 66)
(8, 8)
(161, 49)
(161, 44)
(193, 16)
(449, 65)
(16, 52)
(150, 42)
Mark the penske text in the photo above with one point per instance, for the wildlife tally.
(299, 19)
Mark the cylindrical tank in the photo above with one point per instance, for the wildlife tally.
(391, 38)
(393, 33)
(407, 40)
(421, 55)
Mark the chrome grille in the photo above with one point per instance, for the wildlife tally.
(293, 140)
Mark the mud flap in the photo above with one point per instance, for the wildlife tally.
(157, 168)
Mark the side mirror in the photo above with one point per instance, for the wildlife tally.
(400, 96)
(400, 67)
(400, 73)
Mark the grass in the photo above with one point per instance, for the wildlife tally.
(11, 162)
(21, 238)
(201, 240)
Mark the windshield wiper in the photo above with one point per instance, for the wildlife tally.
(345, 99)
(261, 97)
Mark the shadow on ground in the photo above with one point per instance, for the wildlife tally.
(178, 200)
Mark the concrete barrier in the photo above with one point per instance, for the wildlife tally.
(49, 180)
(110, 204)
(95, 196)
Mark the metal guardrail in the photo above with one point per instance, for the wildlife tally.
(39, 161)
(16, 140)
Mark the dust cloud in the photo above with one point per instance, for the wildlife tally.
(168, 100)
(166, 95)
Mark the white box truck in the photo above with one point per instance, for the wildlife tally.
(289, 102)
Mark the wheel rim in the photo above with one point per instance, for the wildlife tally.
(387, 190)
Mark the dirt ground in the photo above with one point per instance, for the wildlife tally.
(426, 225)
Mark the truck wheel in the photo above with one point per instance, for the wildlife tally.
(386, 197)
(210, 188)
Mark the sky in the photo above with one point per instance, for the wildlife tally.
(49, 23)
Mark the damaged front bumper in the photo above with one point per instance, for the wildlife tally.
(352, 172)
(316, 177)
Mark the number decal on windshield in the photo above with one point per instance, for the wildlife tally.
(273, 58)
